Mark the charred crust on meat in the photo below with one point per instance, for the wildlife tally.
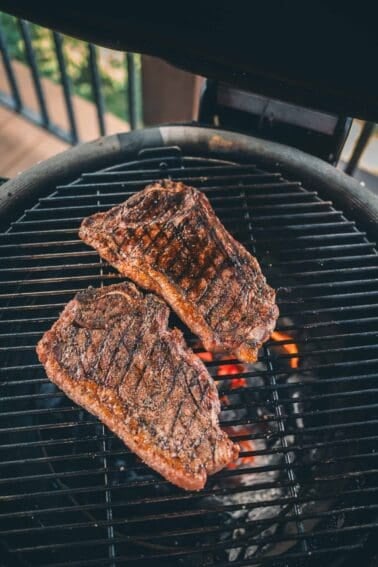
(167, 239)
(112, 352)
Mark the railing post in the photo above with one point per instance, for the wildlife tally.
(58, 42)
(30, 55)
(131, 90)
(96, 88)
(10, 74)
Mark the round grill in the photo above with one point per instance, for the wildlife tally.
(304, 491)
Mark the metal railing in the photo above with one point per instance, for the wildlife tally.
(41, 116)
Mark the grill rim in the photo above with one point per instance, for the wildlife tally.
(357, 203)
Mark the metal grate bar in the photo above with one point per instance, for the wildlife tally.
(207, 547)
(187, 531)
(209, 490)
(323, 338)
(297, 239)
(272, 198)
(183, 513)
(219, 210)
(304, 356)
(201, 169)
(310, 384)
(193, 496)
(115, 276)
(52, 267)
(91, 254)
(217, 183)
(225, 474)
(293, 227)
(341, 249)
(89, 438)
(267, 419)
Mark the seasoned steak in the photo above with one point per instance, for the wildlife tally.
(111, 352)
(168, 239)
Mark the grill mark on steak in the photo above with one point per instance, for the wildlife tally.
(194, 415)
(176, 261)
(105, 341)
(155, 240)
(172, 428)
(113, 357)
(132, 353)
(231, 308)
(212, 282)
(142, 370)
(173, 384)
(129, 385)
(210, 256)
(213, 309)
(191, 393)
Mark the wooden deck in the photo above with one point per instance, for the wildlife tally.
(22, 144)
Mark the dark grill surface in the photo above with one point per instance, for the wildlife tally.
(306, 490)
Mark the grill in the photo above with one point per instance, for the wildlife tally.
(305, 491)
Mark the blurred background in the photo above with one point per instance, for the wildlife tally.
(57, 91)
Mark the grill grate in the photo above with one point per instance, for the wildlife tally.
(307, 486)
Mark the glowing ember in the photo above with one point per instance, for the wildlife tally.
(205, 356)
(290, 348)
(246, 445)
(229, 369)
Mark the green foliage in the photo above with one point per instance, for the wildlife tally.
(112, 65)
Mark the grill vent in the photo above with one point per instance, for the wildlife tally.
(305, 491)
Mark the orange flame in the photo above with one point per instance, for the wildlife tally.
(290, 348)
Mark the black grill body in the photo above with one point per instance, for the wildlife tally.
(306, 491)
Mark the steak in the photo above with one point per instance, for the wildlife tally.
(111, 352)
(168, 239)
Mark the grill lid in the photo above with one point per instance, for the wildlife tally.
(314, 55)
(305, 414)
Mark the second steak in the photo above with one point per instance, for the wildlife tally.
(168, 239)
(111, 352)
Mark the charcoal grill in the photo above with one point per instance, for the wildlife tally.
(306, 490)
